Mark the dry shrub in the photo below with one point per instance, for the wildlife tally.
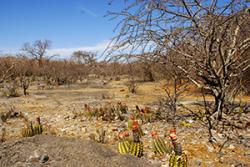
(11, 90)
(132, 86)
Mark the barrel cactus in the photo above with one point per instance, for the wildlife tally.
(158, 144)
(136, 146)
(31, 130)
(38, 128)
(28, 131)
(124, 143)
(178, 158)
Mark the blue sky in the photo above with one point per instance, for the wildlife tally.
(69, 24)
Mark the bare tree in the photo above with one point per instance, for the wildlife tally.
(83, 57)
(175, 90)
(7, 66)
(208, 35)
(37, 50)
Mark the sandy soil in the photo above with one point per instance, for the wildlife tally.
(56, 106)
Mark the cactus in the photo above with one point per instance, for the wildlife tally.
(158, 144)
(122, 107)
(31, 130)
(124, 147)
(146, 117)
(28, 131)
(177, 158)
(178, 161)
(132, 122)
(101, 135)
(124, 143)
(88, 111)
(38, 129)
(136, 147)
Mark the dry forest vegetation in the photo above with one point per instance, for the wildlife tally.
(184, 103)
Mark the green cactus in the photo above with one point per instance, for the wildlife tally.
(124, 147)
(132, 121)
(178, 160)
(38, 129)
(28, 131)
(31, 130)
(158, 144)
(136, 147)
(124, 142)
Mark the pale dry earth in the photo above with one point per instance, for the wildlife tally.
(56, 105)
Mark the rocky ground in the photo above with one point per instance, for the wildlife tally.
(47, 150)
(57, 106)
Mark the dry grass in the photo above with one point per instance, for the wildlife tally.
(55, 106)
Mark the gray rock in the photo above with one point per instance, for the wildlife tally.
(44, 158)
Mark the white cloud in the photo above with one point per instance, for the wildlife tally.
(98, 48)
(8, 51)
(67, 52)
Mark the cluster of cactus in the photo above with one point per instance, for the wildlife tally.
(90, 112)
(99, 136)
(145, 114)
(158, 144)
(31, 130)
(108, 112)
(135, 146)
(128, 146)
(178, 158)
(122, 108)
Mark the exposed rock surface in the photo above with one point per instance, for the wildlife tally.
(46, 150)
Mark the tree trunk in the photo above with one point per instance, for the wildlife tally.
(219, 103)
(40, 62)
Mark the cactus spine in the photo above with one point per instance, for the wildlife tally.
(38, 129)
(136, 147)
(177, 158)
(124, 143)
(123, 147)
(28, 131)
(31, 130)
(158, 144)
(178, 161)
